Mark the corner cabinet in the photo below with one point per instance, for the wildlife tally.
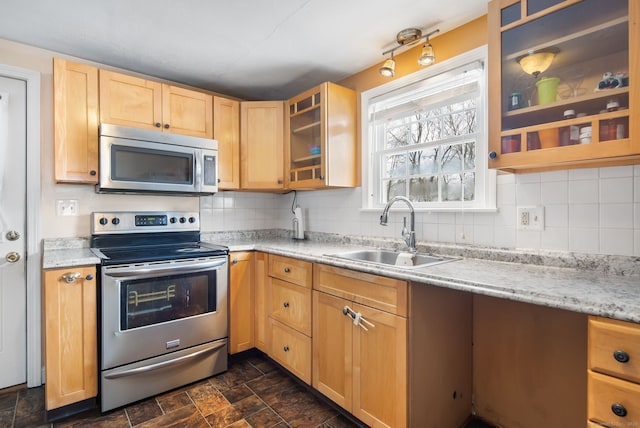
(241, 301)
(75, 98)
(71, 348)
(321, 150)
(575, 113)
(261, 145)
(141, 103)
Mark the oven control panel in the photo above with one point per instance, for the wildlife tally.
(142, 222)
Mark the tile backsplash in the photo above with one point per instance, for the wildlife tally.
(586, 211)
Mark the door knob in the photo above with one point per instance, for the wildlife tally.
(13, 257)
(12, 235)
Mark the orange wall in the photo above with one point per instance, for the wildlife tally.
(450, 44)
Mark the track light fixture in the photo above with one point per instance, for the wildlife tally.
(409, 37)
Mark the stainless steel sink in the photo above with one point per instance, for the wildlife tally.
(389, 258)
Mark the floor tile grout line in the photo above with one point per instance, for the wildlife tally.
(266, 404)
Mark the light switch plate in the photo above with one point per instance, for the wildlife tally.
(530, 218)
(66, 207)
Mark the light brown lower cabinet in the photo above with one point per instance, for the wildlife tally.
(613, 375)
(407, 362)
(262, 300)
(241, 301)
(71, 357)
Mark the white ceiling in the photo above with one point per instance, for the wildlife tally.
(252, 49)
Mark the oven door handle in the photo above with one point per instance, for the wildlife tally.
(174, 362)
(155, 271)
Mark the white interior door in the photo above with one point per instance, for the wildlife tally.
(13, 295)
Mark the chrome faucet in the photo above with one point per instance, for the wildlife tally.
(409, 236)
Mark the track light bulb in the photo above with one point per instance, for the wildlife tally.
(427, 57)
(388, 69)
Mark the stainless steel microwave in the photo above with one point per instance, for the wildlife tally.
(141, 161)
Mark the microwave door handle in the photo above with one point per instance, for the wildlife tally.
(154, 271)
(198, 160)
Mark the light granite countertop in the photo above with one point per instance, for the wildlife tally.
(592, 290)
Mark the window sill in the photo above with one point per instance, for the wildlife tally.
(439, 209)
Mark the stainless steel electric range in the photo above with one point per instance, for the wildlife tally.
(163, 304)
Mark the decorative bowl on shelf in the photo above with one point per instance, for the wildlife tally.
(315, 150)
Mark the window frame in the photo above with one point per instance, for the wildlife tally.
(485, 197)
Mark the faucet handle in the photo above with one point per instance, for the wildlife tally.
(404, 226)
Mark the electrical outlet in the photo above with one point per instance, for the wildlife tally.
(531, 218)
(66, 207)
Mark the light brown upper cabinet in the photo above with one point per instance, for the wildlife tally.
(226, 130)
(75, 95)
(261, 145)
(141, 103)
(320, 150)
(576, 112)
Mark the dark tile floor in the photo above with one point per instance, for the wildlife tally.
(254, 392)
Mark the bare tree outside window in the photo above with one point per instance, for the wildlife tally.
(427, 157)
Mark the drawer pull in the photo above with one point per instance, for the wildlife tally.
(286, 349)
(285, 304)
(619, 410)
(621, 356)
(287, 270)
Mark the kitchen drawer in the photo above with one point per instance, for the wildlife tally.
(614, 348)
(290, 270)
(291, 305)
(386, 294)
(292, 349)
(605, 392)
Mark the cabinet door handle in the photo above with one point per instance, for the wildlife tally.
(287, 270)
(70, 277)
(88, 277)
(621, 356)
(158, 124)
(493, 155)
(285, 304)
(166, 126)
(286, 348)
(235, 261)
(619, 410)
(92, 172)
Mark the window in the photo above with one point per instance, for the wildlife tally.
(425, 138)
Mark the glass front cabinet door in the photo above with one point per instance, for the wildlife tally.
(566, 78)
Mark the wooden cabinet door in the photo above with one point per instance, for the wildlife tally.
(187, 112)
(130, 101)
(332, 349)
(71, 358)
(262, 145)
(75, 95)
(262, 326)
(226, 129)
(241, 311)
(380, 369)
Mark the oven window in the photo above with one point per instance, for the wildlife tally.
(150, 166)
(156, 300)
